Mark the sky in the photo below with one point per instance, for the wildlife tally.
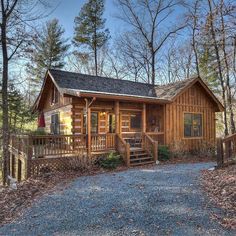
(67, 10)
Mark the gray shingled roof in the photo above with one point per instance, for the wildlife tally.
(75, 81)
(71, 83)
(169, 91)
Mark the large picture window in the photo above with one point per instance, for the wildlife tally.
(55, 124)
(135, 121)
(192, 125)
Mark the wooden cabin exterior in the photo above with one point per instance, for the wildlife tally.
(182, 112)
(89, 115)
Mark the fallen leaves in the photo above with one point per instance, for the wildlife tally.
(220, 186)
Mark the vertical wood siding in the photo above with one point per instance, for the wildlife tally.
(193, 100)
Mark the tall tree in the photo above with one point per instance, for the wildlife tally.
(49, 49)
(16, 17)
(90, 29)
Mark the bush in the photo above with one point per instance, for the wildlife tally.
(111, 161)
(178, 149)
(80, 163)
(163, 153)
(38, 132)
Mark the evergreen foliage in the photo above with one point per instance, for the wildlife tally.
(90, 32)
(49, 49)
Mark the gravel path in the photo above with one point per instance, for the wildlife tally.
(162, 200)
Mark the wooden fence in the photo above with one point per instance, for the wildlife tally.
(226, 150)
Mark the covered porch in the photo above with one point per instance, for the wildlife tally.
(131, 129)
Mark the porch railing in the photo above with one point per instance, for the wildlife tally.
(58, 145)
(123, 148)
(150, 146)
(226, 150)
(102, 142)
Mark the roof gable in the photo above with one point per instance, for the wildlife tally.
(76, 84)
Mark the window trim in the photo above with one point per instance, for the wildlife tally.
(191, 112)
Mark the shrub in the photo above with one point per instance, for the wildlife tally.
(80, 163)
(208, 150)
(178, 149)
(38, 132)
(111, 161)
(163, 153)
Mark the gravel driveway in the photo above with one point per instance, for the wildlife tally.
(162, 200)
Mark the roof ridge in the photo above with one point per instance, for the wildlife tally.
(179, 81)
(103, 77)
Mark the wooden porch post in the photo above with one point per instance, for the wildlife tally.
(144, 118)
(88, 123)
(117, 117)
(89, 130)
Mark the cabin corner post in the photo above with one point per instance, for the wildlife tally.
(117, 117)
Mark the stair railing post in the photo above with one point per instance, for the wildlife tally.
(128, 155)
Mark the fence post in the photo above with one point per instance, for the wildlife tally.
(29, 156)
(220, 154)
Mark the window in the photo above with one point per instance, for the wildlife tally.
(55, 95)
(135, 121)
(192, 125)
(55, 124)
(94, 123)
(111, 123)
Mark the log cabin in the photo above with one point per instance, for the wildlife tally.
(129, 117)
(84, 115)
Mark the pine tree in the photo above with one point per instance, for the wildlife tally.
(49, 49)
(89, 28)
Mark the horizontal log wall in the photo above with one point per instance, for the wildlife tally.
(193, 100)
(65, 116)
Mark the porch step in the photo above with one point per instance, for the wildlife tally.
(133, 160)
(139, 156)
(142, 163)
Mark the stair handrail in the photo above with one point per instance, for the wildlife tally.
(123, 148)
(151, 146)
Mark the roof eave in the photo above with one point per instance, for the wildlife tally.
(85, 93)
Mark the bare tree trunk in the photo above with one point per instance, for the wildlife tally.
(219, 67)
(5, 121)
(95, 60)
(193, 38)
(153, 67)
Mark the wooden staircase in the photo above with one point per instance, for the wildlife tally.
(138, 155)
